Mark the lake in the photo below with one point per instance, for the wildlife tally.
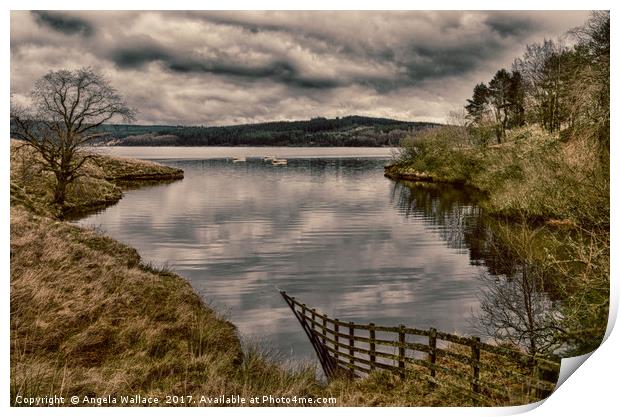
(328, 228)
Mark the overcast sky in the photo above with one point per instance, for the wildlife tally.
(218, 68)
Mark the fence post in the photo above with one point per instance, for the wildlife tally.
(351, 343)
(313, 318)
(540, 375)
(336, 330)
(538, 392)
(371, 336)
(432, 352)
(475, 359)
(401, 348)
(325, 329)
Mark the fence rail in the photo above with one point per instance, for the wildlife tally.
(486, 373)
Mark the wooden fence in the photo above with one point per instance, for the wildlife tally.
(487, 374)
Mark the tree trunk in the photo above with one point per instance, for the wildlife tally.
(60, 191)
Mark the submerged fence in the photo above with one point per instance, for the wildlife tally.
(487, 374)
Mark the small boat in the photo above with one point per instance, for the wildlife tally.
(279, 162)
(270, 158)
(238, 159)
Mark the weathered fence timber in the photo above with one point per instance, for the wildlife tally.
(487, 374)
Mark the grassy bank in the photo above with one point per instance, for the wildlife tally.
(532, 175)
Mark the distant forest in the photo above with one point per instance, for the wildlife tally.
(345, 131)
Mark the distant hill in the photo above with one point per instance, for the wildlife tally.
(344, 131)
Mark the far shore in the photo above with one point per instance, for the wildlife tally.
(250, 152)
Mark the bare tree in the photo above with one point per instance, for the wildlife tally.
(457, 125)
(515, 307)
(66, 110)
(589, 92)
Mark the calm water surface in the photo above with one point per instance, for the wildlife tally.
(328, 228)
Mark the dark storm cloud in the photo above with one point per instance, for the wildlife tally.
(278, 71)
(137, 55)
(449, 61)
(223, 67)
(509, 25)
(69, 25)
(240, 23)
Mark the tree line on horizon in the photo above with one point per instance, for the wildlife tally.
(319, 131)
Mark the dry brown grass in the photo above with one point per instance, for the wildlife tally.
(87, 301)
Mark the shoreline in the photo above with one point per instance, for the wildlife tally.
(307, 145)
(397, 173)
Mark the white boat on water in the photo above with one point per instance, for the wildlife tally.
(238, 159)
(279, 162)
(270, 158)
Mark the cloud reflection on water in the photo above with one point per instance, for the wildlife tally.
(333, 232)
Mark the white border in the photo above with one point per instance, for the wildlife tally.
(592, 390)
